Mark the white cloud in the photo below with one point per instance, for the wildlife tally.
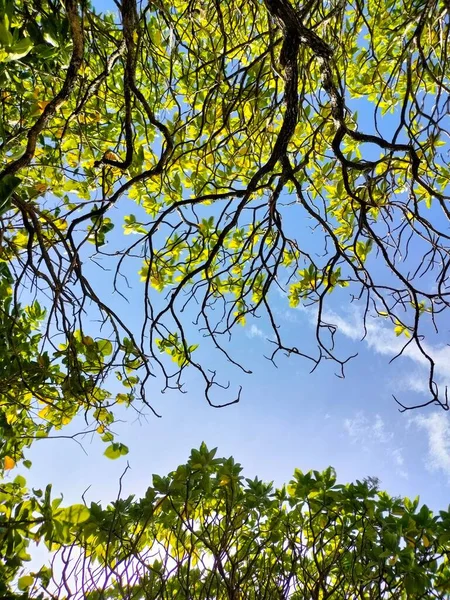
(414, 382)
(372, 435)
(363, 430)
(351, 328)
(255, 331)
(397, 456)
(399, 461)
(437, 427)
(382, 340)
(379, 430)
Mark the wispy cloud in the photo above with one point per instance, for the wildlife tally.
(372, 434)
(255, 331)
(416, 382)
(399, 461)
(382, 340)
(437, 428)
(363, 430)
(397, 456)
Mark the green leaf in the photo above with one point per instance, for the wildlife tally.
(105, 347)
(19, 480)
(444, 538)
(5, 35)
(76, 514)
(50, 39)
(7, 186)
(20, 49)
(25, 582)
(116, 450)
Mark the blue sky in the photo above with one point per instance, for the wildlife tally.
(287, 418)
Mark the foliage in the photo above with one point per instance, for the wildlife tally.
(206, 531)
(185, 150)
(27, 518)
(196, 143)
(40, 394)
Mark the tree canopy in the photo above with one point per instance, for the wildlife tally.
(205, 531)
(209, 155)
(205, 161)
